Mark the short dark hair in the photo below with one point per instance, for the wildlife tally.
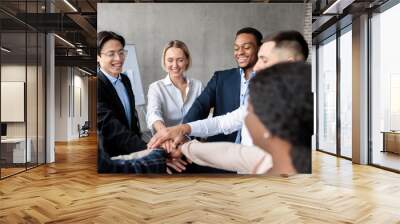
(104, 36)
(250, 30)
(290, 39)
(282, 99)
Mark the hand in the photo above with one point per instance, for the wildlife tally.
(176, 164)
(176, 133)
(176, 153)
(168, 146)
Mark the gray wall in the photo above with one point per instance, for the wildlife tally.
(208, 30)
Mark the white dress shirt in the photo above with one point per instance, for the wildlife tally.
(230, 122)
(227, 123)
(165, 102)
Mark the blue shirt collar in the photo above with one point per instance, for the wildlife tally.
(252, 74)
(112, 79)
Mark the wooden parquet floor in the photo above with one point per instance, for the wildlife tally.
(70, 191)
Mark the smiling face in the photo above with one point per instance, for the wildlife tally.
(266, 56)
(245, 50)
(111, 58)
(175, 61)
(269, 55)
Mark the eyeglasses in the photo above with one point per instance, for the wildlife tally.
(112, 54)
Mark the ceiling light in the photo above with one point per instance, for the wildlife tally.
(70, 5)
(84, 71)
(5, 50)
(337, 7)
(64, 40)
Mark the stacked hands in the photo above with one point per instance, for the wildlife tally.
(171, 140)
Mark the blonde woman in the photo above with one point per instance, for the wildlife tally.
(170, 98)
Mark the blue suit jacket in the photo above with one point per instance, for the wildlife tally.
(221, 93)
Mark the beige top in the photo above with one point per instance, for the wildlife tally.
(228, 156)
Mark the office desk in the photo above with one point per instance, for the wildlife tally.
(391, 141)
(13, 150)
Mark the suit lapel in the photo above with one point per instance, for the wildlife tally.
(114, 95)
(128, 87)
(236, 82)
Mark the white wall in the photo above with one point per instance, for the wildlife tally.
(61, 103)
(18, 73)
(79, 117)
(33, 126)
(70, 83)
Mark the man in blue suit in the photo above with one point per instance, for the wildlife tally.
(223, 92)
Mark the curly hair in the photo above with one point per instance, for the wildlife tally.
(282, 99)
(250, 30)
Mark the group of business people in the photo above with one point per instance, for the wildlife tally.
(262, 110)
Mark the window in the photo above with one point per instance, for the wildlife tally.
(327, 96)
(385, 88)
(346, 92)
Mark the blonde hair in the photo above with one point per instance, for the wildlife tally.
(177, 44)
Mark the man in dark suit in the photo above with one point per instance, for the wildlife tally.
(120, 135)
(223, 91)
(117, 121)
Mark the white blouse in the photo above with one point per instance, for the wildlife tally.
(165, 102)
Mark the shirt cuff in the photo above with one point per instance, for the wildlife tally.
(151, 119)
(195, 129)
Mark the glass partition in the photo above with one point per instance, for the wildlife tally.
(327, 96)
(14, 153)
(22, 87)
